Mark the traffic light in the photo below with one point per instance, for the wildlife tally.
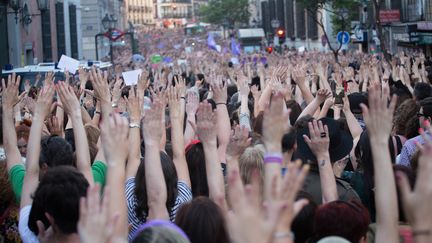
(281, 34)
(269, 49)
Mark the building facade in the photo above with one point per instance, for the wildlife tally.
(413, 29)
(172, 13)
(30, 35)
(93, 11)
(298, 23)
(140, 12)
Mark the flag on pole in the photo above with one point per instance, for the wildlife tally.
(235, 47)
(211, 43)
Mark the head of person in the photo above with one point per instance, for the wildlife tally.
(160, 231)
(407, 110)
(347, 219)
(340, 146)
(6, 194)
(203, 221)
(23, 132)
(55, 151)
(252, 161)
(93, 134)
(302, 226)
(197, 169)
(171, 179)
(56, 200)
(422, 91)
(296, 110)
(425, 112)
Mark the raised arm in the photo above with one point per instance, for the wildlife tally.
(73, 110)
(177, 140)
(102, 91)
(154, 177)
(275, 125)
(416, 201)
(244, 116)
(206, 130)
(219, 88)
(319, 142)
(378, 118)
(31, 179)
(353, 125)
(134, 103)
(115, 145)
(9, 99)
(314, 105)
(300, 79)
(191, 109)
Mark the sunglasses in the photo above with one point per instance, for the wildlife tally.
(421, 115)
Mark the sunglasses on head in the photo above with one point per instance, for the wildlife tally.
(422, 115)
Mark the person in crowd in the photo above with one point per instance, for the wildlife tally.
(207, 146)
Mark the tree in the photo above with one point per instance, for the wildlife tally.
(342, 11)
(377, 7)
(229, 12)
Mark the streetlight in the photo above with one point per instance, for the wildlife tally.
(16, 6)
(109, 22)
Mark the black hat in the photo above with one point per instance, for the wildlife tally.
(355, 100)
(341, 142)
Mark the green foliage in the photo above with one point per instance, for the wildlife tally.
(229, 11)
(336, 7)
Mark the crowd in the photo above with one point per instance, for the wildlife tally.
(211, 147)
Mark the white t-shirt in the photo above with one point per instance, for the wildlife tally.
(27, 236)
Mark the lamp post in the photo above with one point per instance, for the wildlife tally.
(108, 22)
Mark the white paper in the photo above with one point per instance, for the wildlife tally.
(235, 60)
(131, 77)
(301, 49)
(69, 64)
(218, 48)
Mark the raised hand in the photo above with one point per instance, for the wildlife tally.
(117, 90)
(10, 93)
(379, 116)
(249, 221)
(255, 92)
(114, 138)
(83, 77)
(416, 201)
(206, 123)
(275, 124)
(44, 101)
(100, 85)
(69, 101)
(322, 95)
(173, 102)
(319, 140)
(180, 84)
(95, 224)
(49, 78)
(143, 83)
(243, 86)
(192, 103)
(219, 87)
(239, 141)
(152, 130)
(134, 104)
(54, 127)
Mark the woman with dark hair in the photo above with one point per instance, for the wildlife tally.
(347, 219)
(197, 169)
(157, 186)
(203, 221)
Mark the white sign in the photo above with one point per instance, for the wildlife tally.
(69, 64)
(131, 77)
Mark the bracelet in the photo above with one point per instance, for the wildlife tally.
(421, 232)
(221, 104)
(114, 105)
(279, 235)
(183, 98)
(98, 112)
(270, 158)
(134, 125)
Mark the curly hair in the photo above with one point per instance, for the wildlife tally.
(403, 114)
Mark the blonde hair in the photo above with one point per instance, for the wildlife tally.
(252, 159)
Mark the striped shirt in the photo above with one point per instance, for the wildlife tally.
(184, 195)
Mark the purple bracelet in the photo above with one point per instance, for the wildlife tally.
(272, 159)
